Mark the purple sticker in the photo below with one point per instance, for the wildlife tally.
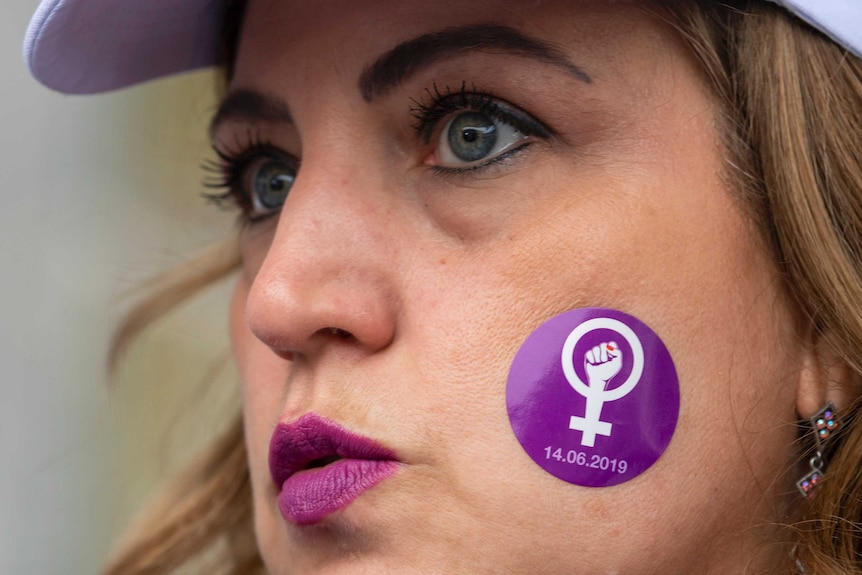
(593, 397)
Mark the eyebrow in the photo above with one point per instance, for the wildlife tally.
(250, 106)
(407, 58)
(401, 62)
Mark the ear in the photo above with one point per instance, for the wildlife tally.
(825, 377)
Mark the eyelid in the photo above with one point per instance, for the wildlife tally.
(445, 103)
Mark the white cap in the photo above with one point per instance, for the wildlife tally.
(90, 46)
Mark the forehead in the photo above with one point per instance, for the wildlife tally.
(309, 40)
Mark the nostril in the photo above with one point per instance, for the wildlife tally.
(337, 332)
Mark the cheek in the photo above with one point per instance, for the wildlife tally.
(260, 371)
(243, 343)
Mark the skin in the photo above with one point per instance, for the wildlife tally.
(434, 281)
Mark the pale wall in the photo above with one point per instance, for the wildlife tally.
(97, 193)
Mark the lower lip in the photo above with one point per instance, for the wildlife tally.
(308, 497)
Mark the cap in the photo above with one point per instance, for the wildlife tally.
(91, 46)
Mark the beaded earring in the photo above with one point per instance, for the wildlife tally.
(823, 425)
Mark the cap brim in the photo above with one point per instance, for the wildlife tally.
(100, 45)
(841, 20)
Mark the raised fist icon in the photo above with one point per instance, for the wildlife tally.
(603, 362)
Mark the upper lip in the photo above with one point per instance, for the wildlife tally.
(313, 439)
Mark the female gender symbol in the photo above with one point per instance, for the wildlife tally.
(595, 392)
(618, 356)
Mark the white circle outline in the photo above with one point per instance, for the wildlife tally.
(583, 329)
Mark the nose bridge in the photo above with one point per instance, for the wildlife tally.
(327, 270)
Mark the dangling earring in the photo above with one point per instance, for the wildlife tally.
(823, 425)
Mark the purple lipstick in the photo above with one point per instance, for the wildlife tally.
(320, 467)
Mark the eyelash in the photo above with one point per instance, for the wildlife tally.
(228, 171)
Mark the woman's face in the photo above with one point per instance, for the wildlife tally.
(410, 260)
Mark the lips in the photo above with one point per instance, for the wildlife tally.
(320, 468)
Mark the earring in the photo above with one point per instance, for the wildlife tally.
(823, 425)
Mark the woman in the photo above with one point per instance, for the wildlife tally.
(475, 190)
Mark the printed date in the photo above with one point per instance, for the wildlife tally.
(573, 457)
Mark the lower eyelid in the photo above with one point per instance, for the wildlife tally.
(497, 162)
(507, 149)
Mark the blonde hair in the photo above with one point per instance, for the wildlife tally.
(792, 110)
(202, 522)
(790, 113)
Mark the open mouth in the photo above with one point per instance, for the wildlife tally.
(318, 468)
(322, 461)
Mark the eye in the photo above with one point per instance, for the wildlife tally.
(470, 130)
(472, 137)
(269, 184)
(257, 179)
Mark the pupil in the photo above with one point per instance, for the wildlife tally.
(472, 136)
(272, 184)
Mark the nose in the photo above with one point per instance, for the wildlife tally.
(326, 279)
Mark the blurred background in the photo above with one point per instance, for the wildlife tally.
(98, 194)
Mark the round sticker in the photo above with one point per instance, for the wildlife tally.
(593, 397)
